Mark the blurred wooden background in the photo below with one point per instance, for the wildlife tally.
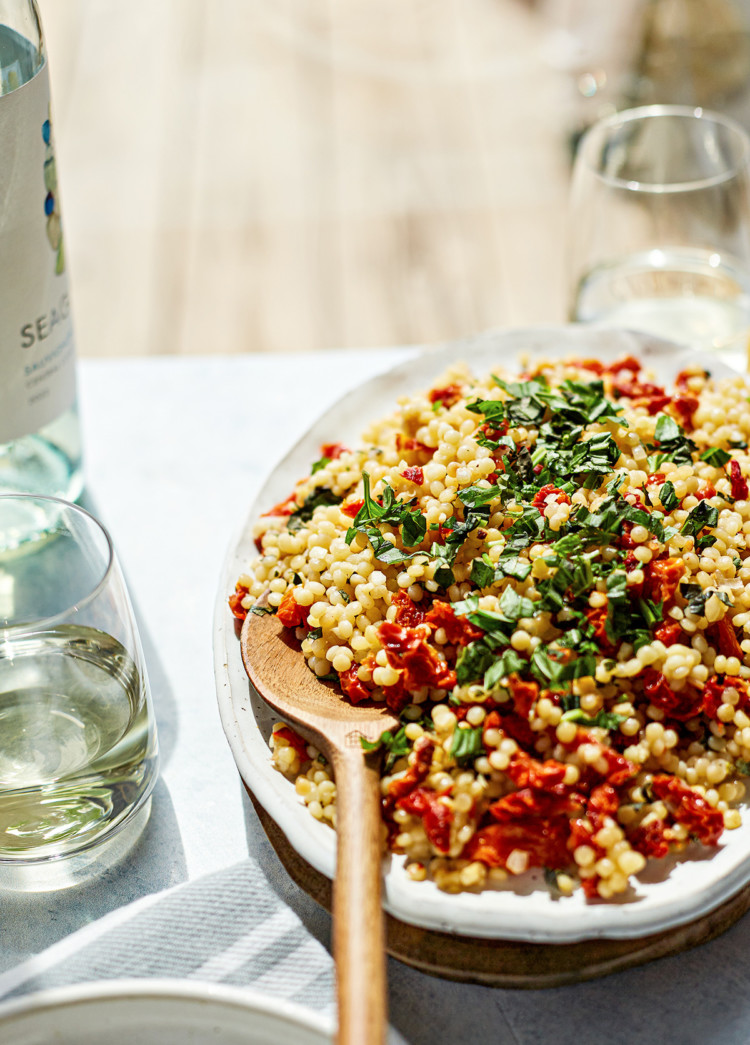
(288, 175)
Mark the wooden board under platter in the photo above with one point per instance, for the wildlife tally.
(513, 963)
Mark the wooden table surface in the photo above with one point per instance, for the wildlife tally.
(291, 175)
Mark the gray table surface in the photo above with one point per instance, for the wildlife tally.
(175, 449)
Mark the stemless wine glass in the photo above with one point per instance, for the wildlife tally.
(659, 227)
(78, 756)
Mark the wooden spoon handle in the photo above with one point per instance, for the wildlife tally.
(358, 924)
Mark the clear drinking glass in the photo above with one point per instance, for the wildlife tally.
(659, 227)
(78, 754)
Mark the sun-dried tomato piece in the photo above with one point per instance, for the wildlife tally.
(285, 507)
(669, 632)
(705, 492)
(353, 686)
(420, 762)
(582, 833)
(526, 771)
(724, 637)
(290, 613)
(597, 618)
(649, 839)
(518, 729)
(459, 631)
(530, 802)
(681, 381)
(680, 705)
(414, 475)
(408, 612)
(435, 815)
(685, 406)
(294, 740)
(524, 695)
(545, 839)
(397, 696)
(624, 539)
(333, 450)
(540, 497)
(491, 721)
(738, 485)
(642, 393)
(616, 769)
(631, 563)
(595, 366)
(235, 602)
(662, 577)
(716, 686)
(495, 431)
(408, 651)
(626, 363)
(407, 444)
(351, 508)
(689, 808)
(602, 802)
(448, 396)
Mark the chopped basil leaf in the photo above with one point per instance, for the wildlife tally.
(704, 514)
(473, 661)
(514, 606)
(473, 496)
(392, 512)
(510, 565)
(482, 573)
(603, 720)
(320, 464)
(671, 441)
(319, 497)
(547, 666)
(652, 612)
(716, 456)
(261, 611)
(493, 409)
(467, 744)
(396, 745)
(697, 597)
(508, 663)
(668, 497)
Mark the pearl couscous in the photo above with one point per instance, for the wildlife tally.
(547, 578)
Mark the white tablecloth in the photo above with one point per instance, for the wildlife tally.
(175, 449)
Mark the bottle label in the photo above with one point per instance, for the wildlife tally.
(37, 351)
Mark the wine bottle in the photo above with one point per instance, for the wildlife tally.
(40, 446)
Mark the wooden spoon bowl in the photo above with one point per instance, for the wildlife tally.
(279, 673)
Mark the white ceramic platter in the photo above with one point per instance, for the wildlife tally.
(669, 893)
(167, 1012)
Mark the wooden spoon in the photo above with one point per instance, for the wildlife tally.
(279, 672)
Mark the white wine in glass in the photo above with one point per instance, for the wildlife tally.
(78, 752)
(659, 230)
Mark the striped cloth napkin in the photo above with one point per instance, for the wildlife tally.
(229, 927)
